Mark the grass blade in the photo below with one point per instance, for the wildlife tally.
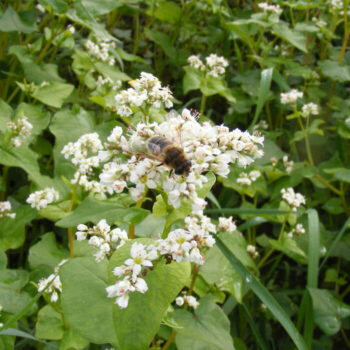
(264, 89)
(264, 295)
(335, 242)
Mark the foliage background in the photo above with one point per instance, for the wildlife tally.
(268, 54)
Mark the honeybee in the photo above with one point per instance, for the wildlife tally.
(169, 154)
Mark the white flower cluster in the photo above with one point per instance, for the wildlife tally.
(295, 200)
(5, 207)
(210, 148)
(40, 8)
(251, 249)
(101, 50)
(297, 230)
(309, 109)
(131, 271)
(336, 4)
(248, 179)
(52, 284)
(83, 154)
(291, 96)
(20, 129)
(180, 245)
(288, 164)
(319, 22)
(270, 8)
(146, 90)
(102, 237)
(215, 65)
(41, 199)
(227, 224)
(109, 82)
(188, 299)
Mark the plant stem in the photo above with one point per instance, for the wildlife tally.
(307, 144)
(5, 170)
(202, 108)
(169, 341)
(131, 233)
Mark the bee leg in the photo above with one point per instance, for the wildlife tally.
(170, 173)
(160, 164)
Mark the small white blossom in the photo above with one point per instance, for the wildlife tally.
(309, 109)
(251, 249)
(291, 96)
(288, 164)
(20, 129)
(295, 200)
(41, 199)
(227, 224)
(297, 230)
(179, 301)
(191, 301)
(5, 208)
(270, 8)
(101, 50)
(196, 62)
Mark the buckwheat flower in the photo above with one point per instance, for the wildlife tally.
(179, 301)
(227, 224)
(309, 109)
(297, 230)
(295, 200)
(191, 301)
(291, 96)
(20, 129)
(101, 50)
(40, 8)
(41, 199)
(5, 208)
(216, 65)
(52, 284)
(288, 164)
(270, 8)
(252, 251)
(139, 258)
(196, 62)
(244, 179)
(254, 175)
(120, 290)
(71, 29)
(274, 161)
(336, 4)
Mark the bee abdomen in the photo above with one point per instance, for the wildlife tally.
(157, 144)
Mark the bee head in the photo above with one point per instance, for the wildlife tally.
(184, 168)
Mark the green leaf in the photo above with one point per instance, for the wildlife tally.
(73, 340)
(54, 94)
(208, 328)
(343, 175)
(192, 79)
(264, 295)
(205, 189)
(328, 310)
(10, 21)
(145, 311)
(49, 325)
(84, 301)
(335, 70)
(46, 252)
(101, 7)
(55, 212)
(68, 127)
(92, 210)
(59, 6)
(3, 260)
(167, 11)
(211, 85)
(12, 231)
(294, 37)
(228, 279)
(264, 90)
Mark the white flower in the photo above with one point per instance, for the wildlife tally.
(196, 62)
(191, 301)
(270, 8)
(295, 200)
(179, 301)
(244, 179)
(139, 258)
(227, 224)
(309, 109)
(291, 96)
(40, 199)
(252, 251)
(288, 164)
(5, 207)
(141, 285)
(20, 129)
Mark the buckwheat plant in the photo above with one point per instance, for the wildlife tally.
(20, 129)
(5, 208)
(41, 199)
(214, 65)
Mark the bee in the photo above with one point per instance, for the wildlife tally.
(169, 154)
